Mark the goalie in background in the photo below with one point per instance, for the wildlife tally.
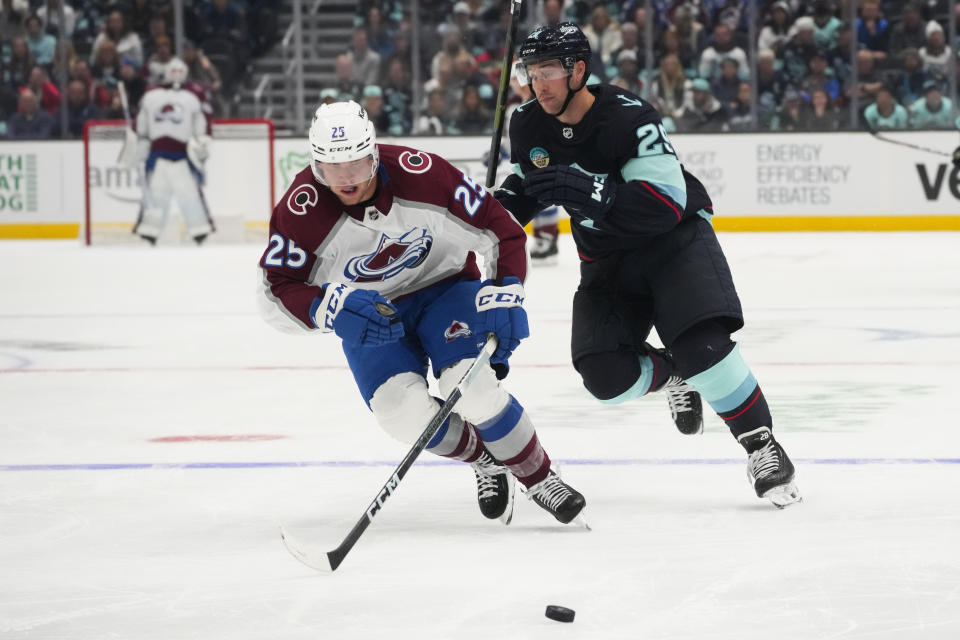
(171, 135)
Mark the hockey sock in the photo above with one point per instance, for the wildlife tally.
(732, 390)
(547, 220)
(650, 372)
(511, 439)
(456, 439)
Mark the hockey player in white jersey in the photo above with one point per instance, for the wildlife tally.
(174, 124)
(376, 243)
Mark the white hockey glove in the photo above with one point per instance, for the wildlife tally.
(198, 150)
(361, 317)
(501, 312)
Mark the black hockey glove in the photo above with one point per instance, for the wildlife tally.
(956, 157)
(578, 192)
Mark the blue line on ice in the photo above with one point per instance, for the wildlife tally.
(625, 462)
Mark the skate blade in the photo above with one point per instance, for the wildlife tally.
(581, 521)
(784, 495)
(695, 432)
(507, 516)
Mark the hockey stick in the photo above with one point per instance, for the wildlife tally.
(879, 136)
(332, 559)
(499, 115)
(122, 90)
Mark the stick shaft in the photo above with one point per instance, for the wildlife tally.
(493, 159)
(337, 555)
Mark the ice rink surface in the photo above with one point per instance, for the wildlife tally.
(154, 433)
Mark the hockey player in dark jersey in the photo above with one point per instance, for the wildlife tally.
(648, 253)
(370, 234)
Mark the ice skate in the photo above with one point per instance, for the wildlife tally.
(769, 468)
(544, 250)
(686, 408)
(495, 488)
(558, 498)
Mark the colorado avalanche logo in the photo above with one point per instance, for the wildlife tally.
(302, 198)
(391, 256)
(418, 162)
(456, 330)
(170, 111)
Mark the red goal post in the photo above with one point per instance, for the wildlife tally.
(238, 183)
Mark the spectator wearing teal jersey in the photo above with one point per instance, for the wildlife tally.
(885, 113)
(933, 110)
(825, 25)
(42, 45)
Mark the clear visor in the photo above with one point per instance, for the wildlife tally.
(541, 72)
(345, 174)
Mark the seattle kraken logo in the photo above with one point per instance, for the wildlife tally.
(391, 256)
(630, 102)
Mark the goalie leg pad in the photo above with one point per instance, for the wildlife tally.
(156, 199)
(190, 199)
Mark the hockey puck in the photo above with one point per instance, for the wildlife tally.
(560, 614)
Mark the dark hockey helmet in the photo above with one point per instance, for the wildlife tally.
(564, 42)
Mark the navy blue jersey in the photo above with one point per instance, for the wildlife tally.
(620, 137)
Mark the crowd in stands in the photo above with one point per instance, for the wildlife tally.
(701, 77)
(105, 43)
(701, 68)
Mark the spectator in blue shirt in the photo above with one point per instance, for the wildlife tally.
(30, 122)
(79, 109)
(872, 29)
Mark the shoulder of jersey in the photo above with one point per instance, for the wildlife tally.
(526, 111)
(198, 90)
(621, 106)
(415, 174)
(305, 196)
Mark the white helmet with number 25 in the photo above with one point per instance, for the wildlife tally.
(341, 134)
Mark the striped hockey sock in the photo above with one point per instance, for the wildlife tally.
(511, 438)
(732, 390)
(456, 439)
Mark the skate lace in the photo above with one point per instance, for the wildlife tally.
(551, 492)
(486, 471)
(486, 485)
(678, 395)
(764, 461)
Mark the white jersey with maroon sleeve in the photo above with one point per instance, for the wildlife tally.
(423, 226)
(169, 117)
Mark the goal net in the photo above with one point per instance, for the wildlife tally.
(238, 184)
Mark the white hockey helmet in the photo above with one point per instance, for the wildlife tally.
(175, 73)
(342, 134)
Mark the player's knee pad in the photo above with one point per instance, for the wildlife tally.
(403, 406)
(483, 398)
(700, 347)
(609, 374)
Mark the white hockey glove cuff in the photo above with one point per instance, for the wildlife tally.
(361, 317)
(491, 296)
(330, 306)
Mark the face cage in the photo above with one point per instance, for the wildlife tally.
(350, 178)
